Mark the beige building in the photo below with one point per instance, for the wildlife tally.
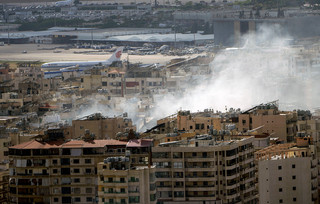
(58, 172)
(118, 183)
(129, 179)
(101, 127)
(274, 122)
(4, 187)
(205, 170)
(287, 173)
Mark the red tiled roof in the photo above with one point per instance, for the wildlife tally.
(71, 144)
(140, 143)
(93, 143)
(34, 144)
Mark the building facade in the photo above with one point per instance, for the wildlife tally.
(207, 171)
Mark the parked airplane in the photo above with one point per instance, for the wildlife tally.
(64, 3)
(81, 65)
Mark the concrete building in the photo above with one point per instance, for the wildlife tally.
(229, 30)
(4, 186)
(277, 123)
(129, 179)
(58, 172)
(205, 170)
(287, 173)
(120, 183)
(101, 127)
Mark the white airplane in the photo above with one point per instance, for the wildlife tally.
(81, 65)
(64, 3)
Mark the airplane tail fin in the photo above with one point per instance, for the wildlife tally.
(116, 56)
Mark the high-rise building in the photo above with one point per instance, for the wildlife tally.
(58, 172)
(205, 170)
(287, 173)
(120, 182)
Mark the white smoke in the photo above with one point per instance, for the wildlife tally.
(259, 72)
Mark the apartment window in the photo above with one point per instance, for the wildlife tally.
(121, 180)
(88, 190)
(191, 127)
(294, 199)
(88, 180)
(55, 171)
(110, 179)
(194, 154)
(76, 180)
(81, 127)
(76, 161)
(280, 189)
(279, 167)
(54, 161)
(76, 190)
(88, 171)
(294, 188)
(293, 177)
(87, 161)
(55, 200)
(122, 190)
(280, 178)
(76, 171)
(77, 199)
(293, 166)
(89, 199)
(280, 201)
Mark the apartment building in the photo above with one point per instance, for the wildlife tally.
(205, 170)
(277, 123)
(128, 179)
(102, 127)
(58, 172)
(4, 186)
(287, 173)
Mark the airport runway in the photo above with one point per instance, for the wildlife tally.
(34, 52)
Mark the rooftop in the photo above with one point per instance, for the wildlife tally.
(34, 144)
(282, 151)
(140, 143)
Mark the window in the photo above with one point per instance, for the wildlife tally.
(279, 167)
(76, 180)
(54, 161)
(294, 199)
(55, 200)
(294, 188)
(76, 161)
(88, 171)
(280, 201)
(55, 171)
(293, 177)
(293, 166)
(280, 189)
(88, 190)
(77, 190)
(89, 199)
(77, 199)
(280, 178)
(121, 180)
(87, 161)
(122, 190)
(76, 171)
